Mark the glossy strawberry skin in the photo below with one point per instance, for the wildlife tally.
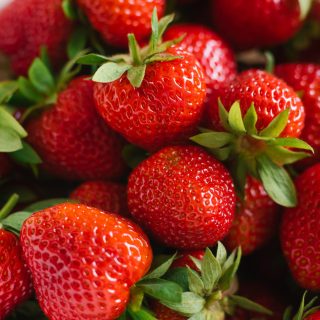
(161, 312)
(15, 279)
(314, 316)
(270, 96)
(106, 196)
(255, 220)
(164, 110)
(114, 19)
(73, 141)
(5, 165)
(83, 261)
(249, 23)
(183, 196)
(21, 37)
(299, 231)
(214, 55)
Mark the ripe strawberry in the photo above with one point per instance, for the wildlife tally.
(15, 279)
(314, 316)
(72, 140)
(5, 165)
(249, 23)
(185, 261)
(214, 55)
(114, 19)
(95, 257)
(255, 220)
(270, 96)
(183, 196)
(106, 196)
(299, 236)
(155, 96)
(28, 25)
(161, 312)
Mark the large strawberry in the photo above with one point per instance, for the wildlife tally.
(15, 278)
(114, 19)
(95, 257)
(255, 220)
(214, 55)
(183, 196)
(299, 232)
(153, 97)
(250, 23)
(28, 25)
(256, 119)
(103, 195)
(72, 140)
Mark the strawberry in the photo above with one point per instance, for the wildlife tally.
(5, 165)
(72, 140)
(250, 24)
(103, 195)
(28, 25)
(125, 91)
(95, 257)
(314, 316)
(183, 196)
(161, 312)
(185, 261)
(114, 19)
(214, 55)
(299, 236)
(255, 120)
(255, 221)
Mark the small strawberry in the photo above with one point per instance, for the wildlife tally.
(299, 236)
(256, 119)
(183, 196)
(250, 23)
(15, 278)
(155, 96)
(114, 19)
(72, 140)
(255, 220)
(106, 196)
(28, 25)
(95, 257)
(214, 55)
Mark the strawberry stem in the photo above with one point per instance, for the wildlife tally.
(10, 204)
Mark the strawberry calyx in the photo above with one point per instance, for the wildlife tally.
(304, 310)
(211, 290)
(135, 63)
(261, 154)
(305, 7)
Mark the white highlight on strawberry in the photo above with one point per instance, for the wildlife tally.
(4, 3)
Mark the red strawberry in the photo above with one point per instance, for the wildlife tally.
(299, 232)
(5, 165)
(161, 312)
(250, 23)
(28, 25)
(184, 260)
(95, 257)
(103, 195)
(72, 140)
(214, 55)
(183, 196)
(314, 316)
(15, 279)
(270, 96)
(315, 11)
(114, 19)
(255, 220)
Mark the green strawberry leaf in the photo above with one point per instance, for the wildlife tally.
(10, 140)
(235, 119)
(69, 9)
(277, 182)
(44, 204)
(179, 276)
(195, 282)
(291, 143)
(277, 125)
(28, 310)
(141, 314)
(134, 50)
(10, 122)
(221, 255)
(250, 120)
(164, 23)
(15, 221)
(210, 270)
(136, 75)
(110, 72)
(282, 156)
(44, 56)
(197, 262)
(305, 6)
(41, 77)
(287, 314)
(224, 116)
(26, 155)
(190, 304)
(161, 270)
(155, 31)
(247, 304)
(77, 41)
(213, 139)
(7, 89)
(133, 155)
(161, 289)
(28, 90)
(9, 205)
(221, 154)
(124, 316)
(270, 62)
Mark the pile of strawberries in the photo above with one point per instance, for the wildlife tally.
(159, 159)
